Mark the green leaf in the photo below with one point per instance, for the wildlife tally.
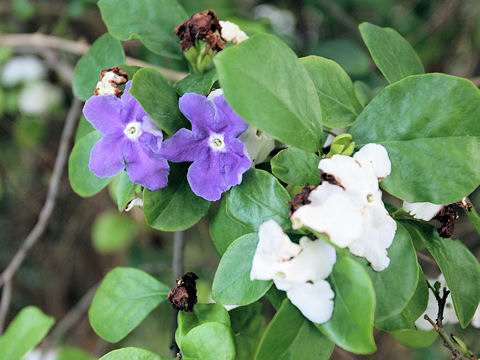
(104, 53)
(351, 325)
(212, 341)
(174, 207)
(83, 181)
(130, 353)
(224, 229)
(84, 128)
(393, 55)
(259, 198)
(423, 121)
(415, 338)
(363, 92)
(335, 90)
(28, 328)
(150, 21)
(125, 297)
(297, 167)
(411, 312)
(266, 85)
(458, 265)
(198, 83)
(248, 325)
(70, 353)
(232, 284)
(158, 98)
(395, 286)
(123, 190)
(201, 314)
(291, 336)
(130, 70)
(474, 218)
(113, 232)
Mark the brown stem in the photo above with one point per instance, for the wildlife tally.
(5, 304)
(178, 270)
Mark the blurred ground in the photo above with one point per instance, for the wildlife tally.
(64, 265)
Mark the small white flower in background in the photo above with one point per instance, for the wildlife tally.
(22, 69)
(422, 210)
(134, 202)
(37, 354)
(300, 270)
(348, 205)
(231, 32)
(37, 98)
(259, 145)
(282, 20)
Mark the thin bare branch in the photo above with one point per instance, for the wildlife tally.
(79, 47)
(46, 212)
(340, 15)
(5, 304)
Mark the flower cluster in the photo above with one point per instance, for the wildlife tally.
(298, 269)
(348, 206)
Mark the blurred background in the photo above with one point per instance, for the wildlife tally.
(87, 237)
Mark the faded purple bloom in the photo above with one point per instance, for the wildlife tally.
(130, 140)
(219, 158)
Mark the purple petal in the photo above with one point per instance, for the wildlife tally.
(235, 162)
(150, 142)
(199, 110)
(145, 167)
(184, 145)
(106, 157)
(103, 112)
(132, 110)
(227, 119)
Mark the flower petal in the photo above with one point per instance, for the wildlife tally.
(422, 210)
(132, 110)
(235, 162)
(199, 110)
(144, 167)
(315, 301)
(227, 120)
(184, 145)
(106, 157)
(103, 112)
(376, 156)
(315, 261)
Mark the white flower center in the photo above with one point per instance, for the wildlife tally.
(133, 130)
(216, 142)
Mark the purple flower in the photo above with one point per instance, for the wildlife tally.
(130, 140)
(219, 158)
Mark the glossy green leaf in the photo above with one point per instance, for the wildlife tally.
(201, 314)
(393, 55)
(104, 53)
(84, 128)
(198, 83)
(232, 284)
(130, 353)
(291, 336)
(259, 198)
(123, 190)
(423, 121)
(351, 325)
(224, 229)
(158, 98)
(70, 353)
(113, 232)
(248, 325)
(411, 312)
(266, 85)
(459, 266)
(151, 21)
(395, 286)
(297, 167)
(363, 92)
(28, 328)
(335, 90)
(83, 181)
(212, 341)
(174, 207)
(415, 338)
(125, 297)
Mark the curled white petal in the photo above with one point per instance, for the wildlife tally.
(134, 202)
(232, 32)
(376, 156)
(422, 210)
(337, 216)
(274, 252)
(315, 301)
(213, 94)
(476, 318)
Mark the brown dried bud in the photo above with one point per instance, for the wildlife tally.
(330, 179)
(201, 26)
(447, 216)
(465, 204)
(109, 80)
(301, 198)
(184, 295)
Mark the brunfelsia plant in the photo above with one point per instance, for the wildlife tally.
(293, 210)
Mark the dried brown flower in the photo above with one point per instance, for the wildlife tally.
(184, 295)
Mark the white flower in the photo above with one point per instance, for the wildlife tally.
(37, 354)
(108, 84)
(23, 69)
(377, 157)
(422, 210)
(37, 98)
(134, 202)
(282, 20)
(258, 144)
(300, 270)
(231, 32)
